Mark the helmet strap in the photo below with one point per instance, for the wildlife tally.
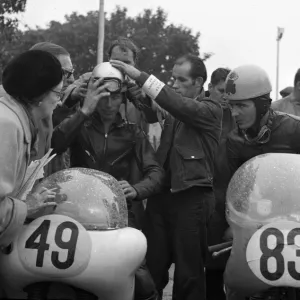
(262, 106)
(264, 134)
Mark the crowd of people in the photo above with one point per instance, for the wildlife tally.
(101, 121)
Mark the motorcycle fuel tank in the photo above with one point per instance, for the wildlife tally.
(84, 242)
(91, 197)
(263, 211)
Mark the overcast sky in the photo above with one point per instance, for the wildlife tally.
(236, 31)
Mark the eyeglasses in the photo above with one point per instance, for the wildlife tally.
(68, 73)
(59, 95)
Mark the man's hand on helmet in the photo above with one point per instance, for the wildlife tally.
(131, 71)
(96, 90)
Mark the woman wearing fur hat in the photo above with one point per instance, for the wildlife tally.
(32, 82)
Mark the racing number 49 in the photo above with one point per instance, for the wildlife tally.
(42, 246)
(276, 253)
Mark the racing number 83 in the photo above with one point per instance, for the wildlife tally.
(42, 246)
(276, 253)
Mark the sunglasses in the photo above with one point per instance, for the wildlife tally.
(68, 73)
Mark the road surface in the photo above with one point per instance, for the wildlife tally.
(168, 289)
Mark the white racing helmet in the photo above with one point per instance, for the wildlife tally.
(247, 82)
(112, 77)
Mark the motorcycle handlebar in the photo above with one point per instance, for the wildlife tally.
(219, 247)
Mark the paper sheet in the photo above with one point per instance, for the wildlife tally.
(34, 172)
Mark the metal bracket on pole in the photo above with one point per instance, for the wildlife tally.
(280, 32)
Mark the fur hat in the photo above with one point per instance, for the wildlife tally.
(30, 75)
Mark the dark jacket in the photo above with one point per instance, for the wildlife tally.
(236, 151)
(128, 111)
(228, 124)
(189, 139)
(218, 224)
(285, 133)
(116, 153)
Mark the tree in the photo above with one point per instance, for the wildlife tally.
(160, 43)
(8, 28)
(7, 8)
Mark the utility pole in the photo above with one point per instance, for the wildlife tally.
(101, 26)
(280, 32)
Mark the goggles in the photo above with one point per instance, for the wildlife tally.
(113, 85)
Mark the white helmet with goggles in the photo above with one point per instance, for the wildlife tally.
(113, 78)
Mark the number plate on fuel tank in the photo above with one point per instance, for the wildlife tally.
(273, 254)
(54, 246)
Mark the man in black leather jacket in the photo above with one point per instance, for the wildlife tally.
(100, 139)
(259, 130)
(176, 220)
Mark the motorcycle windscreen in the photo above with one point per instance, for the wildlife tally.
(263, 211)
(93, 198)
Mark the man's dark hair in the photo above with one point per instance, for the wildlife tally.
(297, 77)
(286, 91)
(124, 44)
(219, 75)
(54, 49)
(198, 68)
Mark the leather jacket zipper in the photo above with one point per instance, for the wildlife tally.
(104, 149)
(105, 144)
(93, 158)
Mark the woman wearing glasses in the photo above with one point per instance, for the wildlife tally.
(32, 82)
(45, 125)
(72, 94)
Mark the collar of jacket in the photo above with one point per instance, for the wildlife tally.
(270, 121)
(276, 121)
(266, 127)
(201, 96)
(21, 114)
(225, 105)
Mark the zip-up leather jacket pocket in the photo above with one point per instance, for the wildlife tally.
(91, 156)
(120, 167)
(123, 155)
(193, 164)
